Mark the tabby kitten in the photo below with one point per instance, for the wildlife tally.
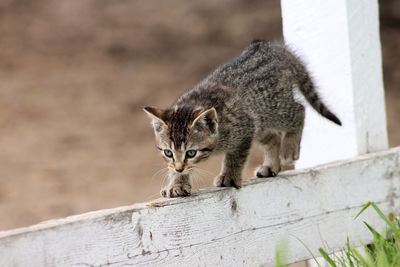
(251, 97)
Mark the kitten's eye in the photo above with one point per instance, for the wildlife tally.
(168, 153)
(191, 153)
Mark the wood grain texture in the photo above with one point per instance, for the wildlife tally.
(220, 227)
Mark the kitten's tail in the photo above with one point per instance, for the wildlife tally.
(306, 86)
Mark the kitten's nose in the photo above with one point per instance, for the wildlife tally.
(178, 167)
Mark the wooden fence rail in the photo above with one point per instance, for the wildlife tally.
(220, 227)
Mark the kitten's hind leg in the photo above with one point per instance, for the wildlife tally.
(290, 148)
(271, 165)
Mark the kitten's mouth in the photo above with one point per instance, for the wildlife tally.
(185, 171)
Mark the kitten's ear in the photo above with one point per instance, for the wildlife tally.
(207, 118)
(156, 115)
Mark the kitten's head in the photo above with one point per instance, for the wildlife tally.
(184, 136)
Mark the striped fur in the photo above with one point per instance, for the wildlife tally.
(249, 98)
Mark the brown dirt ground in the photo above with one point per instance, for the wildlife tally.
(75, 74)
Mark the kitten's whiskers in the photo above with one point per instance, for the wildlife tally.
(159, 172)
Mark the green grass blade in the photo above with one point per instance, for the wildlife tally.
(309, 251)
(375, 234)
(278, 258)
(366, 206)
(281, 254)
(362, 259)
(327, 258)
(382, 251)
(348, 254)
(383, 217)
(386, 219)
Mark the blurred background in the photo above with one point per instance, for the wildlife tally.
(75, 74)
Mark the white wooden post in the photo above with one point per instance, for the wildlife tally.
(339, 41)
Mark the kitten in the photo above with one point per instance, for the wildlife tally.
(251, 97)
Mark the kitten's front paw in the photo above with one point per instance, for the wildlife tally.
(176, 190)
(267, 171)
(224, 180)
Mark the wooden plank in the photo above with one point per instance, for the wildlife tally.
(339, 41)
(220, 227)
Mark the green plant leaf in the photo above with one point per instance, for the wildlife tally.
(383, 217)
(375, 234)
(348, 254)
(309, 251)
(327, 257)
(362, 259)
(366, 206)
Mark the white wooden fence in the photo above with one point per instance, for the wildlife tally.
(225, 227)
(340, 41)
